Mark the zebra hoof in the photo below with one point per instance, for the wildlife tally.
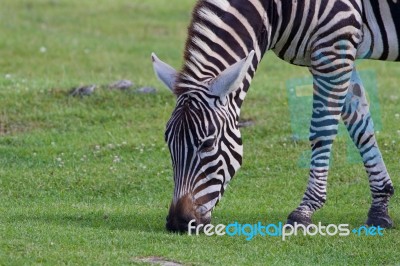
(379, 218)
(299, 217)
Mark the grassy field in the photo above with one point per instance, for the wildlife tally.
(87, 181)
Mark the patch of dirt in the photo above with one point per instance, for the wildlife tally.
(158, 261)
(121, 85)
(13, 128)
(82, 90)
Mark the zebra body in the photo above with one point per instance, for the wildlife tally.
(226, 41)
(378, 40)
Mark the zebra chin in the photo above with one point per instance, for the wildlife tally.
(185, 210)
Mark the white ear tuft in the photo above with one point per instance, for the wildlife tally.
(164, 72)
(231, 78)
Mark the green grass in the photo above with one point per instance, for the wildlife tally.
(88, 181)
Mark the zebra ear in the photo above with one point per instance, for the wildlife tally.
(164, 72)
(231, 78)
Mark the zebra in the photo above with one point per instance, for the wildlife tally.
(226, 41)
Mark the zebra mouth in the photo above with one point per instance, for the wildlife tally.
(184, 211)
(181, 224)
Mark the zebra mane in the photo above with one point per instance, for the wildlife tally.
(201, 63)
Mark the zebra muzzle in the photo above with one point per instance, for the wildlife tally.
(184, 211)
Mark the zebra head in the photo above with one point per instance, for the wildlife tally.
(203, 139)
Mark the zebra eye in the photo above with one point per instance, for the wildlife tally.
(207, 145)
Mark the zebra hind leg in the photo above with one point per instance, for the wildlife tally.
(358, 121)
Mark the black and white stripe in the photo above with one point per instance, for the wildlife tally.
(327, 37)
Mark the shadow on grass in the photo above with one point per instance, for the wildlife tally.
(151, 221)
(145, 222)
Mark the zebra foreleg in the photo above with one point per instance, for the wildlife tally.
(323, 130)
(331, 74)
(357, 118)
